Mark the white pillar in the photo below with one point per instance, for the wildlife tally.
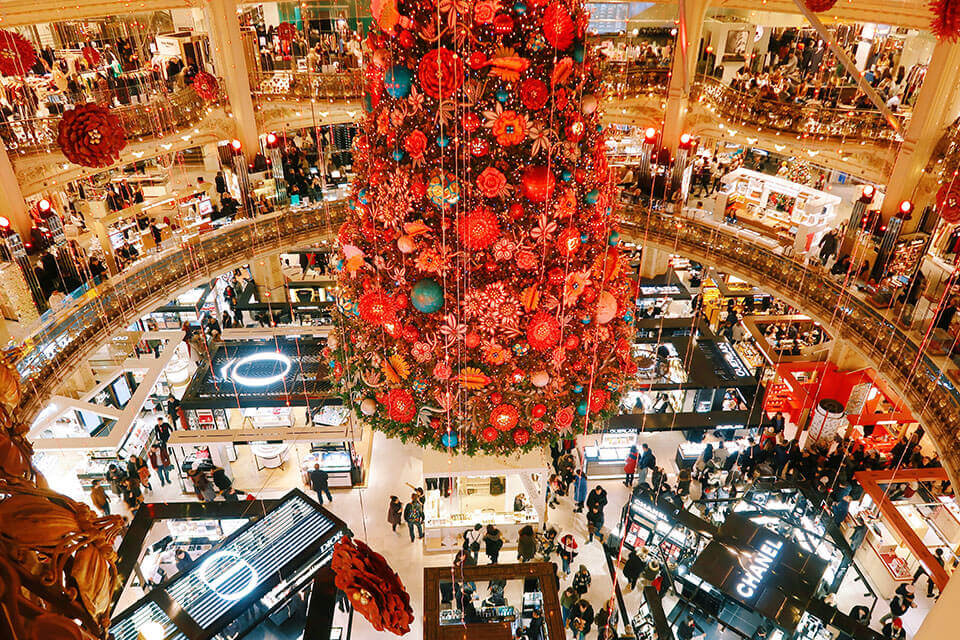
(941, 620)
(12, 205)
(224, 28)
(683, 69)
(932, 113)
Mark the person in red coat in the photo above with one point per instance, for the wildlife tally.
(630, 465)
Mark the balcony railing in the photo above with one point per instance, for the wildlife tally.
(627, 80)
(162, 114)
(63, 340)
(810, 120)
(277, 85)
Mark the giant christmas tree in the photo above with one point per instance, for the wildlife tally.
(484, 303)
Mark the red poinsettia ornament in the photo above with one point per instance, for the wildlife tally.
(17, 55)
(373, 588)
(818, 6)
(206, 86)
(946, 19)
(90, 135)
(286, 31)
(948, 202)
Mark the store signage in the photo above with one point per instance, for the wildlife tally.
(228, 575)
(756, 566)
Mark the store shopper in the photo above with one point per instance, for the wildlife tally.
(116, 477)
(320, 481)
(471, 541)
(173, 412)
(547, 543)
(526, 544)
(137, 470)
(160, 462)
(632, 569)
(902, 600)
(938, 556)
(99, 497)
(395, 512)
(597, 498)
(893, 630)
(163, 431)
(567, 549)
(492, 543)
(413, 514)
(630, 465)
(688, 629)
(595, 523)
(581, 580)
(580, 489)
(646, 461)
(581, 619)
(568, 599)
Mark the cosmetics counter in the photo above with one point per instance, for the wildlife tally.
(272, 563)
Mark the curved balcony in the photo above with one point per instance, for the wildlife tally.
(808, 120)
(49, 353)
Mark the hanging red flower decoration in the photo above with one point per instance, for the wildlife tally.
(558, 26)
(90, 135)
(401, 405)
(206, 86)
(440, 73)
(521, 437)
(286, 31)
(504, 417)
(534, 93)
(376, 307)
(478, 229)
(946, 19)
(543, 331)
(948, 202)
(17, 55)
(818, 6)
(91, 55)
(372, 587)
(489, 434)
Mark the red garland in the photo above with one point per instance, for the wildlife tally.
(819, 6)
(946, 21)
(286, 31)
(17, 55)
(90, 135)
(372, 587)
(206, 86)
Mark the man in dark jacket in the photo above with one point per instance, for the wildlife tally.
(597, 498)
(646, 462)
(319, 480)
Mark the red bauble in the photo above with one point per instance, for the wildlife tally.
(477, 60)
(90, 135)
(946, 20)
(556, 276)
(558, 26)
(820, 5)
(376, 307)
(538, 183)
(539, 410)
(521, 437)
(575, 130)
(410, 333)
(286, 31)
(440, 73)
(496, 398)
(16, 54)
(515, 211)
(503, 24)
(472, 340)
(571, 342)
(543, 332)
(478, 229)
(479, 147)
(470, 121)
(504, 417)
(206, 86)
(489, 434)
(406, 39)
(401, 405)
(568, 241)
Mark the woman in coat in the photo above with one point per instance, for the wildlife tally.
(580, 490)
(492, 542)
(567, 550)
(394, 512)
(630, 465)
(526, 544)
(581, 580)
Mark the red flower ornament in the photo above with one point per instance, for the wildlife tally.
(206, 86)
(558, 27)
(491, 182)
(286, 31)
(946, 19)
(401, 405)
(372, 586)
(91, 136)
(543, 331)
(478, 229)
(17, 55)
(534, 93)
(440, 73)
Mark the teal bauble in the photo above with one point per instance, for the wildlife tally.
(592, 196)
(449, 440)
(582, 408)
(427, 296)
(578, 52)
(397, 81)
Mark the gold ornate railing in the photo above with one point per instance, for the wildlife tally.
(811, 120)
(276, 85)
(63, 340)
(627, 80)
(163, 114)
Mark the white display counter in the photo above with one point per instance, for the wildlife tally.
(269, 455)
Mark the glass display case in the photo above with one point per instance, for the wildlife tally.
(339, 459)
(689, 452)
(605, 459)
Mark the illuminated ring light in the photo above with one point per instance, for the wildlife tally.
(232, 370)
(222, 577)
